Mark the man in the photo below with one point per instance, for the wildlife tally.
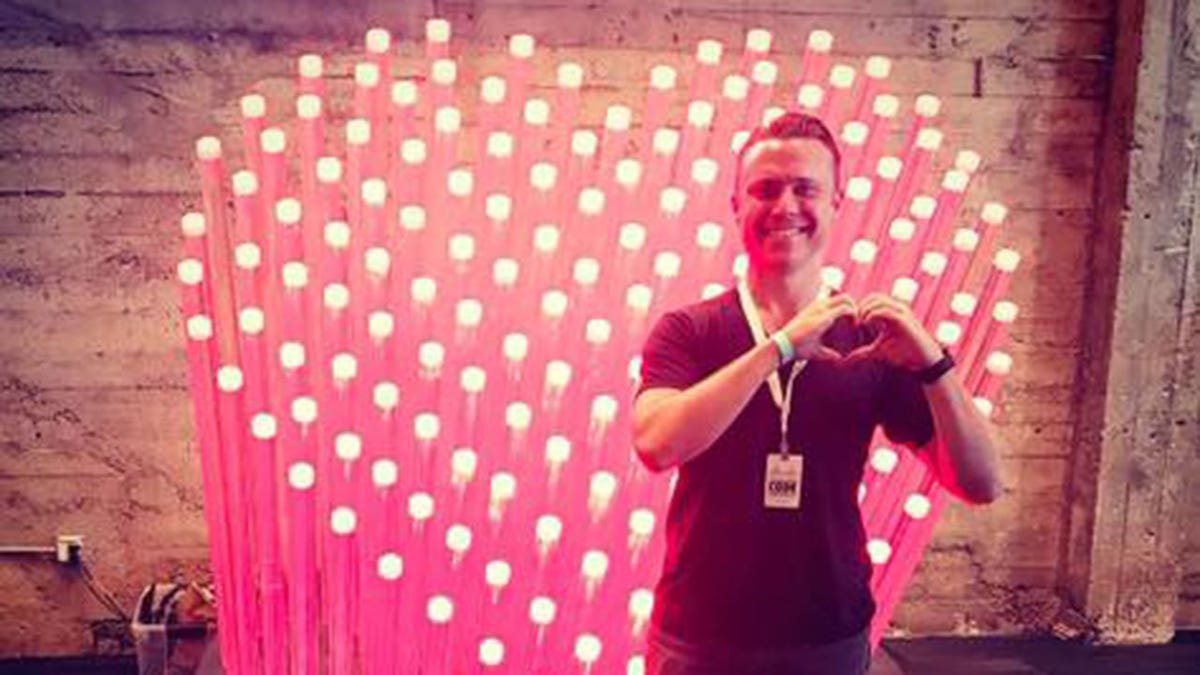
(766, 569)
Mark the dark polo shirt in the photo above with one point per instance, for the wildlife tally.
(737, 574)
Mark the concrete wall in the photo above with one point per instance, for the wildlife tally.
(103, 99)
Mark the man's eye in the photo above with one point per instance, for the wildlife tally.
(767, 189)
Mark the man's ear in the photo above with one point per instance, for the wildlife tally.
(733, 203)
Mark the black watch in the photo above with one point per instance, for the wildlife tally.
(934, 372)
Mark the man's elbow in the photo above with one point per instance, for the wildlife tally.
(652, 457)
(982, 491)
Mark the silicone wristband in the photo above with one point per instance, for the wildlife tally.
(784, 346)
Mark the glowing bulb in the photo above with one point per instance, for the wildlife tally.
(386, 396)
(667, 264)
(1006, 260)
(190, 271)
(469, 312)
(618, 118)
(543, 176)
(504, 272)
(348, 446)
(554, 304)
(758, 40)
(381, 324)
(886, 106)
(251, 320)
(503, 486)
(771, 114)
(549, 530)
(358, 131)
(447, 120)
(426, 427)
(229, 379)
(536, 112)
(810, 96)
(984, 406)
(423, 290)
(704, 171)
(384, 473)
(841, 76)
(999, 363)
(515, 347)
(570, 75)
(377, 261)
(558, 450)
(461, 248)
(420, 506)
(272, 141)
(641, 522)
(310, 65)
(586, 271)
(708, 236)
(628, 172)
(765, 73)
(963, 304)
(440, 610)
(291, 355)
(967, 161)
(247, 256)
(858, 188)
(302, 476)
(498, 574)
(889, 168)
(193, 224)
(598, 332)
(638, 297)
(493, 89)
(587, 648)
(343, 520)
(431, 355)
(666, 141)
(460, 182)
(253, 106)
(199, 327)
(902, 229)
(584, 143)
(672, 200)
(518, 416)
(444, 72)
(927, 105)
(366, 75)
(208, 148)
(947, 333)
(917, 506)
(632, 237)
(993, 213)
(879, 551)
(965, 240)
(244, 183)
(463, 463)
(390, 566)
(602, 487)
(458, 538)
(1005, 311)
(863, 252)
(711, 291)
(263, 426)
(491, 651)
(500, 145)
(329, 170)
(955, 181)
(413, 151)
(905, 289)
(700, 114)
(820, 41)
(735, 88)
(929, 139)
(854, 133)
(473, 379)
(336, 296)
(708, 52)
(521, 45)
(884, 460)
(412, 218)
(591, 201)
(404, 93)
(542, 610)
(337, 234)
(304, 409)
(832, 277)
(933, 263)
(662, 77)
(594, 565)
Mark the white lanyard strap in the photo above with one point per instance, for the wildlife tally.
(781, 395)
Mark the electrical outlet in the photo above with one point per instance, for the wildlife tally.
(68, 548)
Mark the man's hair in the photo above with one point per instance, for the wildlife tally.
(786, 126)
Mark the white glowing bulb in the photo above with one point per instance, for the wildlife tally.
(967, 161)
(902, 229)
(440, 610)
(994, 213)
(590, 201)
(505, 271)
(955, 181)
(584, 143)
(253, 106)
(922, 207)
(641, 522)
(999, 363)
(711, 291)
(889, 168)
(554, 304)
(542, 610)
(832, 277)
(301, 475)
(602, 486)
(497, 573)
(586, 271)
(854, 133)
(251, 320)
(671, 200)
(738, 140)
(263, 426)
(587, 648)
(358, 131)
(378, 40)
(841, 76)
(704, 170)
(247, 256)
(536, 112)
(377, 261)
(963, 304)
(463, 463)
(199, 327)
(381, 324)
(431, 355)
(928, 105)
(193, 224)
(423, 290)
(515, 347)
(929, 139)
(604, 409)
(708, 236)
(503, 486)
(343, 520)
(458, 538)
(336, 296)
(291, 355)
(628, 172)
(521, 45)
(700, 114)
(933, 263)
(460, 182)
(879, 551)
(344, 366)
(884, 460)
(348, 446)
(771, 114)
(468, 313)
(272, 141)
(310, 65)
(558, 450)
(386, 396)
(638, 297)
(420, 506)
(662, 77)
(886, 106)
(461, 248)
(548, 529)
(666, 141)
(472, 379)
(632, 236)
(917, 506)
(229, 379)
(427, 426)
(190, 271)
(641, 604)
(245, 183)
(500, 145)
(634, 369)
(965, 240)
(384, 473)
(390, 566)
(329, 169)
(618, 118)
(443, 72)
(947, 333)
(810, 96)
(304, 409)
(667, 264)
(558, 373)
(765, 73)
(493, 89)
(735, 88)
(878, 67)
(858, 188)
(570, 75)
(208, 148)
(413, 151)
(447, 120)
(985, 407)
(288, 211)
(863, 251)
(491, 651)
(594, 565)
(543, 176)
(758, 40)
(518, 416)
(708, 52)
(404, 93)
(905, 289)
(1006, 260)
(598, 331)
(820, 41)
(366, 75)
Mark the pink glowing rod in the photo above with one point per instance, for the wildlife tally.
(254, 111)
(839, 95)
(309, 75)
(879, 126)
(814, 67)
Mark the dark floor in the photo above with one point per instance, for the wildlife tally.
(928, 656)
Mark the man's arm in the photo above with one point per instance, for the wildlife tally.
(963, 453)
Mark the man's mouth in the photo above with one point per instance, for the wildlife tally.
(802, 226)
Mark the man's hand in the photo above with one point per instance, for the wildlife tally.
(806, 328)
(901, 339)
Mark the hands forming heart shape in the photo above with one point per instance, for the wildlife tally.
(894, 334)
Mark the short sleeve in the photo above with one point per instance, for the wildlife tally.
(667, 356)
(905, 413)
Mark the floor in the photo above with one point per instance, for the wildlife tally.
(928, 656)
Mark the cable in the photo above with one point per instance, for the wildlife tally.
(101, 593)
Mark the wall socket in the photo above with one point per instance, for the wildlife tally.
(68, 548)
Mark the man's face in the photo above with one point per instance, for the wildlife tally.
(785, 203)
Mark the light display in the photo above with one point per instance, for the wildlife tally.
(412, 374)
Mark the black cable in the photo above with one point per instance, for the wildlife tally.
(101, 593)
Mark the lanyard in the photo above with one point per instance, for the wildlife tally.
(780, 394)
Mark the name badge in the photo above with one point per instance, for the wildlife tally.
(781, 489)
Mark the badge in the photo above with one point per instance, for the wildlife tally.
(781, 489)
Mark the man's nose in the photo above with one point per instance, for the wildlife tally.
(788, 202)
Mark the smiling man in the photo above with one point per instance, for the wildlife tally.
(766, 398)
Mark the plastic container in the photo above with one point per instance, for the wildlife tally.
(167, 646)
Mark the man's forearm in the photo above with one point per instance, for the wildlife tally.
(964, 453)
(677, 427)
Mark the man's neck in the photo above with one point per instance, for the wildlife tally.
(781, 296)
